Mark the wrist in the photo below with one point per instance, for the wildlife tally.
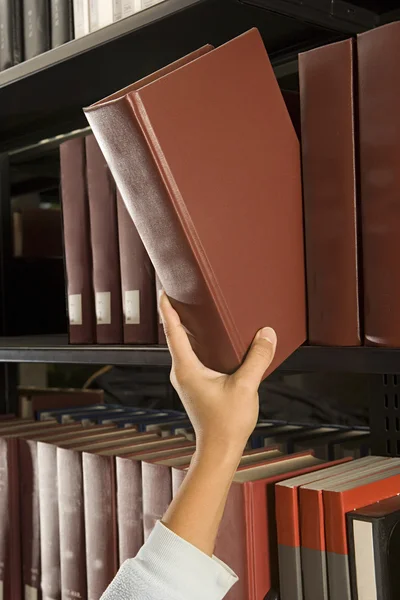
(219, 451)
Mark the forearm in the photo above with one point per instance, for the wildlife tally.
(196, 511)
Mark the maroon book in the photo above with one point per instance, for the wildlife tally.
(330, 194)
(104, 237)
(137, 282)
(225, 236)
(77, 248)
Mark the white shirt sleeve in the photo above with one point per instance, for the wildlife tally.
(169, 568)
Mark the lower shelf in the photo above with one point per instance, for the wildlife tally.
(55, 349)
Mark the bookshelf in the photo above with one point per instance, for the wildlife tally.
(43, 98)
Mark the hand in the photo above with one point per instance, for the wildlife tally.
(223, 409)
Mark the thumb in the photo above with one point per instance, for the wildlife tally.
(259, 357)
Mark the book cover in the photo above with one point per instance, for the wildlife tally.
(206, 243)
(60, 22)
(77, 248)
(327, 100)
(137, 282)
(105, 249)
(36, 27)
(379, 88)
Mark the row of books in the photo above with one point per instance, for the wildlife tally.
(111, 284)
(30, 27)
(87, 493)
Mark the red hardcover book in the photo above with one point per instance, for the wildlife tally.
(378, 53)
(137, 282)
(105, 250)
(344, 498)
(330, 193)
(212, 226)
(313, 530)
(77, 248)
(288, 526)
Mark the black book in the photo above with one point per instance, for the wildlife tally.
(60, 22)
(374, 550)
(36, 27)
(10, 33)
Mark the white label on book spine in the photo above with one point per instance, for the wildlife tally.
(1, 590)
(103, 308)
(132, 307)
(30, 593)
(75, 309)
(365, 560)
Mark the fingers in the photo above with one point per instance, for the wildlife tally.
(259, 357)
(178, 341)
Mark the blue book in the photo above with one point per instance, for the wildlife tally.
(140, 421)
(55, 413)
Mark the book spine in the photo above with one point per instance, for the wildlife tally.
(36, 27)
(337, 554)
(137, 282)
(313, 550)
(155, 216)
(78, 253)
(105, 247)
(10, 33)
(117, 10)
(100, 522)
(129, 507)
(61, 22)
(81, 18)
(49, 521)
(101, 13)
(72, 525)
(379, 118)
(289, 557)
(29, 518)
(330, 194)
(157, 494)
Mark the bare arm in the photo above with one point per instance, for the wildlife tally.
(223, 410)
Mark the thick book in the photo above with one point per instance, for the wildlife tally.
(374, 544)
(61, 27)
(313, 529)
(77, 248)
(10, 33)
(343, 498)
(378, 53)
(105, 250)
(137, 282)
(328, 126)
(288, 527)
(36, 20)
(212, 228)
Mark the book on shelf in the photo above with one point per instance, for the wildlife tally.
(207, 245)
(33, 400)
(81, 18)
(10, 34)
(137, 282)
(77, 247)
(105, 250)
(374, 542)
(36, 27)
(330, 190)
(61, 22)
(378, 53)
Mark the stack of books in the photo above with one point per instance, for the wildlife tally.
(30, 27)
(87, 484)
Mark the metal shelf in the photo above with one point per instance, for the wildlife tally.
(55, 349)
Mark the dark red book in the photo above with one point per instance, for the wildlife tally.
(328, 124)
(105, 250)
(225, 236)
(77, 248)
(137, 282)
(378, 53)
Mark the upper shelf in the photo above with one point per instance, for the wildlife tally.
(44, 96)
(55, 349)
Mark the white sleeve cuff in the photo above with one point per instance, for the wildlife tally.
(183, 567)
